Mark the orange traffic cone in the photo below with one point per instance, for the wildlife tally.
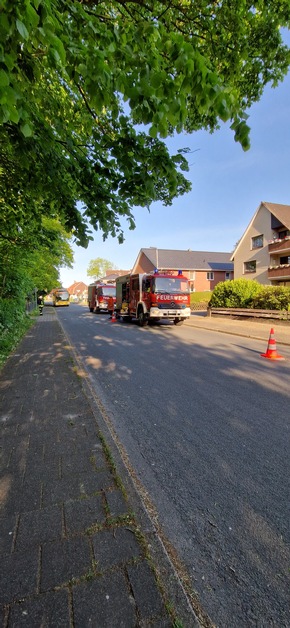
(271, 352)
(113, 319)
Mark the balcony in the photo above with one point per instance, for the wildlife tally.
(277, 246)
(279, 272)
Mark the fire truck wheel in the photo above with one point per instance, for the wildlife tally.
(142, 318)
(177, 321)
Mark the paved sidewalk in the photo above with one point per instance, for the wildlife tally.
(250, 328)
(72, 552)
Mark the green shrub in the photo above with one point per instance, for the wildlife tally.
(272, 298)
(14, 322)
(235, 293)
(249, 293)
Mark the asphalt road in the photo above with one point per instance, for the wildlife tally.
(205, 422)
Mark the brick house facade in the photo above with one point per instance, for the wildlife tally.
(203, 269)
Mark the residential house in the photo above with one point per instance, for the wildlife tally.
(111, 275)
(263, 252)
(78, 290)
(204, 269)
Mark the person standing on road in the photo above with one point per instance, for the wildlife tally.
(111, 306)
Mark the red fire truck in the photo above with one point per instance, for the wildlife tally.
(98, 296)
(153, 297)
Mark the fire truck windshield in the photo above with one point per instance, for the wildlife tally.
(109, 291)
(170, 285)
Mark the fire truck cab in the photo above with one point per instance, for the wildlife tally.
(104, 291)
(150, 297)
(98, 296)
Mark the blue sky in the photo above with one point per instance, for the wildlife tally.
(228, 185)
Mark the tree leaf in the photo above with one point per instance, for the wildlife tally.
(22, 30)
(4, 78)
(26, 129)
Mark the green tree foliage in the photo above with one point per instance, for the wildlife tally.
(27, 264)
(22, 267)
(98, 267)
(235, 293)
(88, 90)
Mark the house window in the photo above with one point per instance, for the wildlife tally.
(257, 242)
(191, 275)
(283, 234)
(285, 260)
(210, 276)
(250, 267)
(227, 276)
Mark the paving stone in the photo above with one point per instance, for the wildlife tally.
(76, 486)
(7, 430)
(93, 450)
(63, 561)
(91, 427)
(117, 503)
(163, 622)
(7, 529)
(37, 433)
(9, 416)
(49, 610)
(70, 432)
(82, 514)
(42, 469)
(75, 464)
(40, 439)
(56, 449)
(146, 593)
(18, 575)
(104, 603)
(39, 526)
(6, 449)
(18, 496)
(96, 447)
(75, 441)
(2, 616)
(18, 456)
(115, 546)
(96, 455)
(35, 454)
(26, 496)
